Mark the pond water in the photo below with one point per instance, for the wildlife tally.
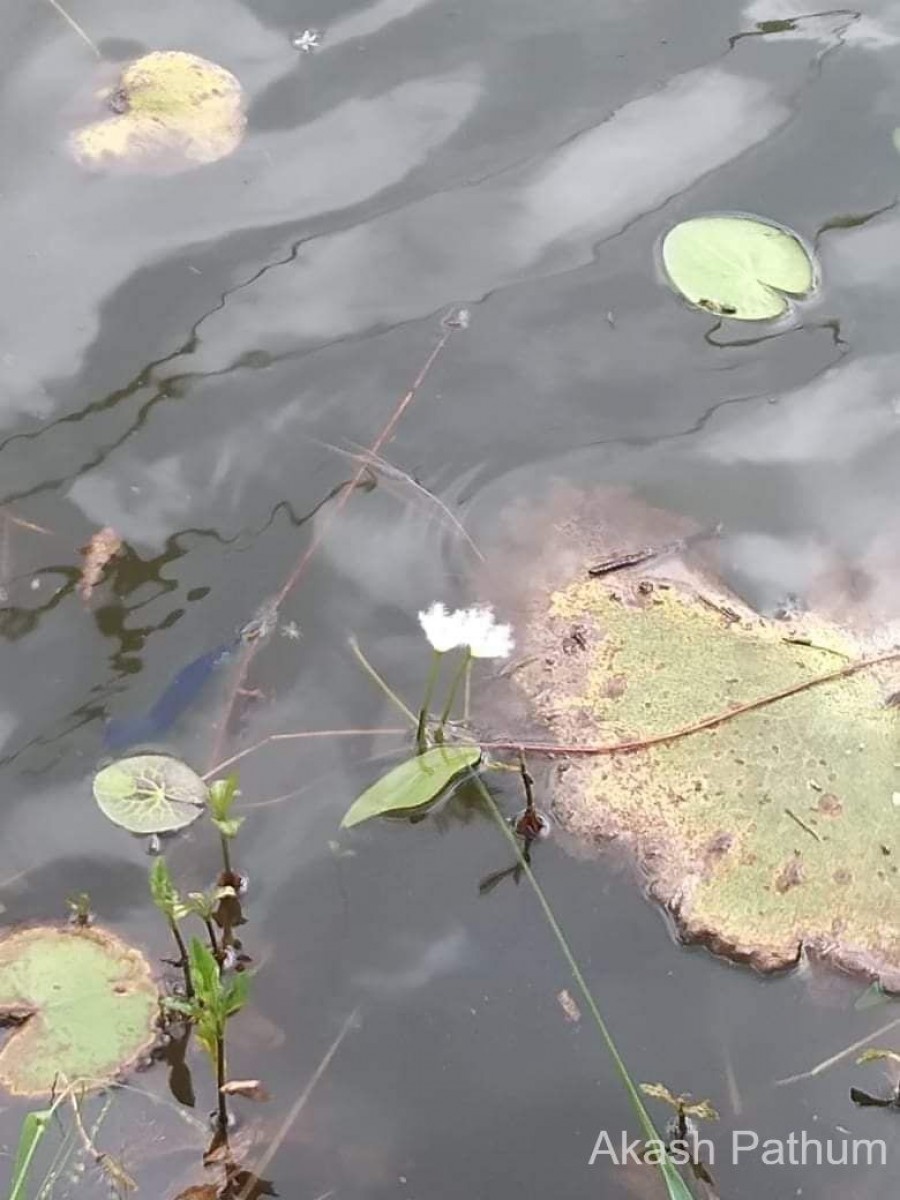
(193, 359)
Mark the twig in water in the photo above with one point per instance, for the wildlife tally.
(836, 1058)
(318, 536)
(806, 828)
(262, 1163)
(659, 739)
(74, 25)
(284, 737)
(381, 466)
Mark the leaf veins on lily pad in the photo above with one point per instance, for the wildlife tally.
(82, 1002)
(738, 267)
(150, 793)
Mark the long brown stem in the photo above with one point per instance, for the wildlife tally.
(293, 579)
(659, 739)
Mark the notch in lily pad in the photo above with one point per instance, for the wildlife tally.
(150, 794)
(740, 267)
(82, 1003)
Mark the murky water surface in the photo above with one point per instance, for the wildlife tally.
(191, 358)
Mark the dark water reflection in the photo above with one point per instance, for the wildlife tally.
(181, 356)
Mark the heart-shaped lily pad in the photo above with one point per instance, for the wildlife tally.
(172, 110)
(82, 1002)
(738, 267)
(150, 793)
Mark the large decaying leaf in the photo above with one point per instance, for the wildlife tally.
(150, 793)
(83, 1004)
(413, 783)
(172, 110)
(738, 267)
(774, 832)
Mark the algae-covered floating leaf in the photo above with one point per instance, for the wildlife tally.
(737, 267)
(171, 110)
(82, 1003)
(891, 1056)
(772, 832)
(150, 793)
(413, 783)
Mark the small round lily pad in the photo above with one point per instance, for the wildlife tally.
(738, 267)
(171, 110)
(82, 1002)
(150, 793)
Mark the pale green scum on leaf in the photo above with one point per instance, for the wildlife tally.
(173, 110)
(737, 267)
(150, 793)
(772, 832)
(413, 783)
(83, 1004)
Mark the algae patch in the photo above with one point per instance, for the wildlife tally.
(772, 833)
(172, 110)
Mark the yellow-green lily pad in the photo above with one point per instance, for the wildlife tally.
(171, 110)
(82, 1005)
(736, 266)
(774, 833)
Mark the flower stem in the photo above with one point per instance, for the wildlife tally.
(376, 678)
(451, 695)
(426, 702)
(467, 695)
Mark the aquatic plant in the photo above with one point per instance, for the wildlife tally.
(427, 775)
(218, 996)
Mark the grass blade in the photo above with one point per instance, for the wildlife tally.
(33, 1129)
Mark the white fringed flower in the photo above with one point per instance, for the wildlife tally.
(445, 630)
(484, 636)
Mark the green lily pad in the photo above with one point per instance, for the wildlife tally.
(739, 267)
(172, 110)
(82, 1002)
(150, 793)
(775, 832)
(413, 783)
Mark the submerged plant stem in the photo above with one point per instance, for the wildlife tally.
(74, 25)
(341, 502)
(377, 679)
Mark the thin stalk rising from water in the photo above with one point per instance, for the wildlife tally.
(436, 658)
(675, 1185)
